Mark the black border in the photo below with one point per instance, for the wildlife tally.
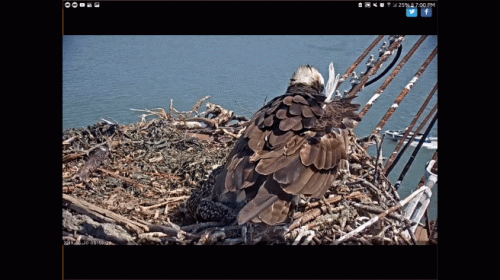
(241, 17)
(245, 262)
(250, 262)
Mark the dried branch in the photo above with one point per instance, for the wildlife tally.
(128, 180)
(379, 217)
(199, 103)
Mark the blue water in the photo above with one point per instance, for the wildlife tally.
(105, 76)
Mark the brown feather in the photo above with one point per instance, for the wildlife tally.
(288, 100)
(300, 99)
(230, 180)
(309, 122)
(308, 154)
(312, 184)
(262, 140)
(259, 119)
(348, 123)
(298, 126)
(329, 163)
(295, 109)
(307, 112)
(273, 108)
(268, 121)
(289, 173)
(308, 187)
(275, 213)
(288, 123)
(261, 201)
(327, 180)
(317, 111)
(269, 165)
(255, 142)
(268, 154)
(249, 130)
(251, 177)
(281, 114)
(294, 144)
(276, 139)
(277, 101)
(300, 182)
(321, 157)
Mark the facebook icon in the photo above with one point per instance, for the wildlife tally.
(426, 12)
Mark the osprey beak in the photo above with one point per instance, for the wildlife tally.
(332, 83)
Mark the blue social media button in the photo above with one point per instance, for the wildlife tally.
(426, 12)
(411, 12)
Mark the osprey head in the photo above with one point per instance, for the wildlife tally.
(309, 76)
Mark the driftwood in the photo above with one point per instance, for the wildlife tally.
(101, 214)
(144, 231)
(215, 119)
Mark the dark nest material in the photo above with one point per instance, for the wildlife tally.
(128, 184)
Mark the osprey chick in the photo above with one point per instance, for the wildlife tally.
(291, 146)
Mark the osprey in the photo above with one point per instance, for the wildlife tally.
(293, 145)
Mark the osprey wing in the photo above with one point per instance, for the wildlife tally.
(286, 150)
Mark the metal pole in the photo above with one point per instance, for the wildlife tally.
(415, 152)
(391, 77)
(403, 93)
(388, 168)
(410, 128)
(359, 60)
(394, 46)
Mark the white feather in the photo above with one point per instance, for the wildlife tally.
(331, 85)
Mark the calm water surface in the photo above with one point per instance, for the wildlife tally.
(105, 76)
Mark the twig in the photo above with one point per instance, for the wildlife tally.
(69, 140)
(377, 211)
(209, 122)
(313, 213)
(76, 155)
(201, 226)
(199, 103)
(379, 152)
(381, 216)
(159, 112)
(128, 180)
(232, 134)
(169, 200)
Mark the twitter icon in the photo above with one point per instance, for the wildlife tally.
(411, 12)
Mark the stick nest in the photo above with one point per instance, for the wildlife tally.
(127, 184)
